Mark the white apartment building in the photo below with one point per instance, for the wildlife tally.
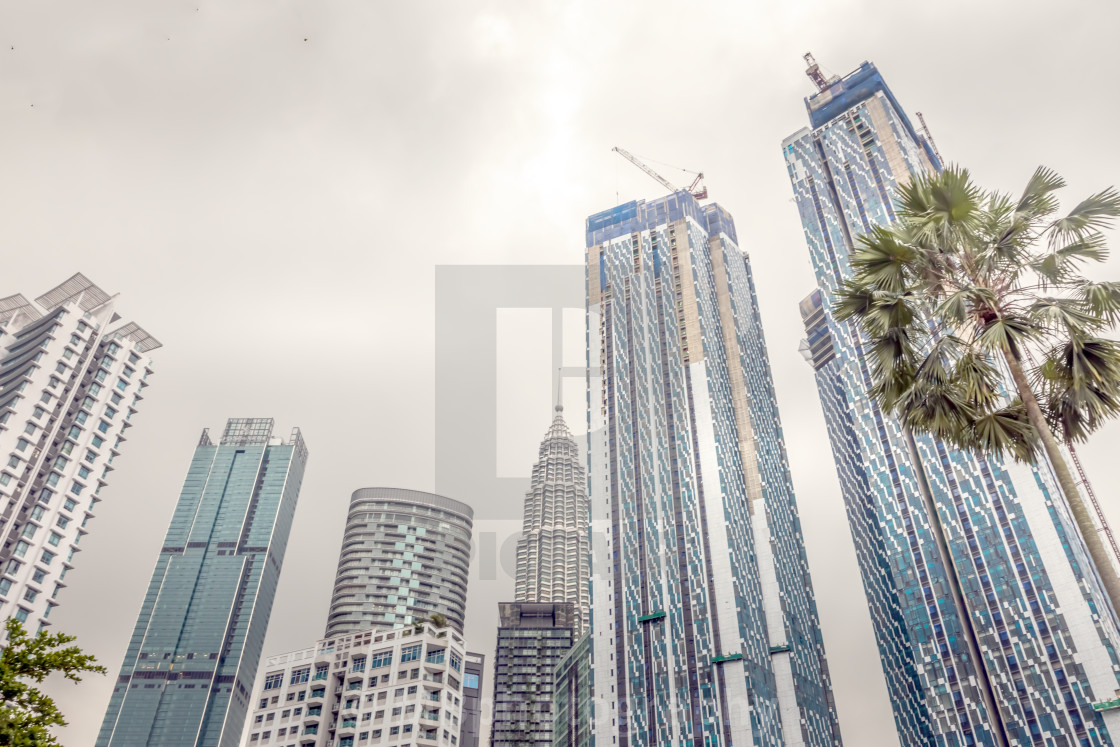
(373, 688)
(70, 382)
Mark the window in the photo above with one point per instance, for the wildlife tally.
(38, 576)
(23, 443)
(37, 513)
(103, 426)
(13, 566)
(69, 505)
(62, 521)
(394, 731)
(299, 676)
(435, 656)
(381, 659)
(21, 614)
(30, 594)
(83, 472)
(81, 417)
(116, 398)
(411, 653)
(471, 681)
(46, 557)
(13, 461)
(52, 479)
(358, 664)
(110, 412)
(273, 681)
(29, 530)
(456, 662)
(412, 690)
(97, 441)
(76, 487)
(45, 495)
(5, 478)
(95, 389)
(38, 413)
(54, 539)
(22, 548)
(5, 586)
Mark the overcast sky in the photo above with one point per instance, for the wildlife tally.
(270, 187)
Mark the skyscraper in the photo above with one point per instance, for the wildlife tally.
(704, 625)
(192, 659)
(552, 553)
(405, 555)
(70, 382)
(552, 592)
(1022, 600)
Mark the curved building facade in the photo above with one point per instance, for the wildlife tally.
(405, 555)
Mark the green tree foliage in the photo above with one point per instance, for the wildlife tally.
(26, 714)
(968, 286)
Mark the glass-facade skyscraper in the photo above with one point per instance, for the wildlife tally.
(71, 378)
(1033, 607)
(704, 626)
(188, 673)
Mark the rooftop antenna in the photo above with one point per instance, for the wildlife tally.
(696, 189)
(817, 75)
(929, 137)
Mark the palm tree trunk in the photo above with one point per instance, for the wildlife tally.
(1105, 570)
(983, 681)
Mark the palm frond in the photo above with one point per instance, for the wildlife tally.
(1096, 212)
(1038, 200)
(1101, 299)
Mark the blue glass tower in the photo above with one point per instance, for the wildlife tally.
(704, 625)
(188, 674)
(1014, 644)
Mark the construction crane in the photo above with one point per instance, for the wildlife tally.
(696, 189)
(929, 136)
(816, 75)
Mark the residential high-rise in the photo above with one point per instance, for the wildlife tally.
(1017, 643)
(405, 555)
(552, 553)
(70, 382)
(192, 659)
(704, 625)
(377, 688)
(532, 639)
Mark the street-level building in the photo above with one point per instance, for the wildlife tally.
(532, 639)
(375, 688)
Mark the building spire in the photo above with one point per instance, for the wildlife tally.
(560, 389)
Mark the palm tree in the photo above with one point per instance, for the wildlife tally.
(968, 288)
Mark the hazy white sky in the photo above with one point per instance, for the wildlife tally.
(270, 186)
